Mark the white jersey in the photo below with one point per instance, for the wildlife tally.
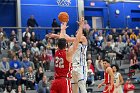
(79, 57)
(116, 82)
(79, 63)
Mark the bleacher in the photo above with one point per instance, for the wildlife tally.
(124, 70)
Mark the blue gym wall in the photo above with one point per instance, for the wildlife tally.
(116, 21)
(44, 12)
(7, 15)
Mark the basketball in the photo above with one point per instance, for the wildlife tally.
(63, 17)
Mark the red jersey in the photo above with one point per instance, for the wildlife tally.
(62, 66)
(107, 82)
(107, 78)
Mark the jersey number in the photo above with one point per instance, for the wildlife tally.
(59, 62)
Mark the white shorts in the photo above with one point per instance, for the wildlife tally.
(81, 73)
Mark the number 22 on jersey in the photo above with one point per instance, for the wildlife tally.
(59, 62)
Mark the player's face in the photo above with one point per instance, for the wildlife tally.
(105, 64)
(114, 69)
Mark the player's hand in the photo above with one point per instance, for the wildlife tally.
(64, 26)
(99, 86)
(81, 22)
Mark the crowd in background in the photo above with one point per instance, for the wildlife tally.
(27, 61)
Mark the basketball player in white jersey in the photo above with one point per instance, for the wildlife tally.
(118, 80)
(80, 67)
(79, 64)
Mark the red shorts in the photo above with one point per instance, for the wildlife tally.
(61, 85)
(106, 90)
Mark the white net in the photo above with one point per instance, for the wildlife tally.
(63, 2)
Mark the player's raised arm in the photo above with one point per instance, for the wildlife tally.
(53, 35)
(63, 30)
(79, 34)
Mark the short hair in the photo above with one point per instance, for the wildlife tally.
(106, 60)
(117, 67)
(62, 43)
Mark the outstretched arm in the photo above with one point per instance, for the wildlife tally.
(79, 34)
(63, 30)
(54, 35)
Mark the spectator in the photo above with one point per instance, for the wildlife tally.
(9, 89)
(124, 37)
(132, 54)
(91, 40)
(129, 32)
(45, 61)
(108, 48)
(112, 44)
(12, 43)
(26, 35)
(121, 45)
(25, 63)
(4, 42)
(29, 44)
(15, 64)
(13, 35)
(39, 74)
(45, 40)
(55, 25)
(110, 38)
(138, 37)
(33, 37)
(4, 67)
(30, 79)
(89, 57)
(36, 60)
(50, 43)
(95, 34)
(10, 79)
(86, 27)
(20, 90)
(49, 54)
(43, 86)
(50, 81)
(21, 77)
(114, 34)
(2, 32)
(90, 73)
(99, 68)
(100, 36)
(133, 36)
(29, 55)
(98, 43)
(16, 48)
(134, 63)
(24, 47)
(32, 22)
(35, 49)
(40, 45)
(129, 87)
(104, 43)
(133, 41)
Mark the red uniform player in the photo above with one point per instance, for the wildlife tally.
(108, 78)
(63, 59)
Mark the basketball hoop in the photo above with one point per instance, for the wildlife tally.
(64, 2)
